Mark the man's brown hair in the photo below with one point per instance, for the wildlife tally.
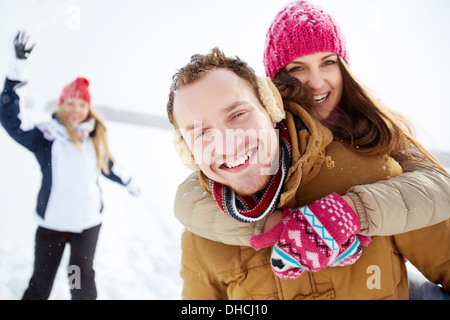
(200, 64)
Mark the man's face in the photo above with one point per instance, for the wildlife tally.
(228, 131)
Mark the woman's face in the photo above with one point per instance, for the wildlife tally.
(321, 74)
(75, 110)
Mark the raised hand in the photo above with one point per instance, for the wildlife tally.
(20, 45)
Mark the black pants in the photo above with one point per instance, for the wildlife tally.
(49, 249)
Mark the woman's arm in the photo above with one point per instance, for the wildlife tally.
(416, 199)
(119, 176)
(200, 214)
(10, 117)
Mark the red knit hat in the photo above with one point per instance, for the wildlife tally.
(77, 89)
(301, 28)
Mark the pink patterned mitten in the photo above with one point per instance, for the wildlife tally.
(313, 237)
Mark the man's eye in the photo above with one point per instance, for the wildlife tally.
(239, 114)
(201, 134)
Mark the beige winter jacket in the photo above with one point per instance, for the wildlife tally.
(214, 270)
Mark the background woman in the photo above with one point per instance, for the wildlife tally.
(72, 150)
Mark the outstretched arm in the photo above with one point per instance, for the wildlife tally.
(117, 175)
(416, 199)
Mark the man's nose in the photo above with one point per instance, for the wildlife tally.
(227, 142)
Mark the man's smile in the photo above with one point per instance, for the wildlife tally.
(242, 160)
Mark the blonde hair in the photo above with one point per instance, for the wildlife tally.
(99, 139)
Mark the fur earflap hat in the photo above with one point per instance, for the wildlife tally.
(76, 89)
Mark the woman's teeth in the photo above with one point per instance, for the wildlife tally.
(321, 98)
(239, 161)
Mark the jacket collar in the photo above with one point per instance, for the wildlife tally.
(54, 129)
(308, 150)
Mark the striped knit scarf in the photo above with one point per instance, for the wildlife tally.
(84, 129)
(254, 208)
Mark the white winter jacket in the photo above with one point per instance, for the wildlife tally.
(70, 198)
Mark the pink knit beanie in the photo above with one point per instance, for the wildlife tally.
(301, 28)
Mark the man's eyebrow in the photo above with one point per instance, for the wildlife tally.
(233, 106)
(192, 126)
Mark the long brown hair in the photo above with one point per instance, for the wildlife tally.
(99, 139)
(362, 122)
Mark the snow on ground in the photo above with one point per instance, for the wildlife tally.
(138, 253)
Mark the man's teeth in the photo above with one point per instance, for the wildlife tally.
(239, 161)
(321, 98)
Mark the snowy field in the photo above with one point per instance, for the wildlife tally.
(138, 253)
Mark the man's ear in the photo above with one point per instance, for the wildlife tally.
(271, 99)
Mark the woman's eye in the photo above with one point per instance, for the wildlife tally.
(296, 69)
(329, 63)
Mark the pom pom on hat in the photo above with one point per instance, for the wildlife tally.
(299, 29)
(77, 89)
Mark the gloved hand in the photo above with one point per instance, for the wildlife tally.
(20, 46)
(313, 237)
(21, 53)
(350, 251)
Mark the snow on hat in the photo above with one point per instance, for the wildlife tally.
(299, 29)
(77, 89)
